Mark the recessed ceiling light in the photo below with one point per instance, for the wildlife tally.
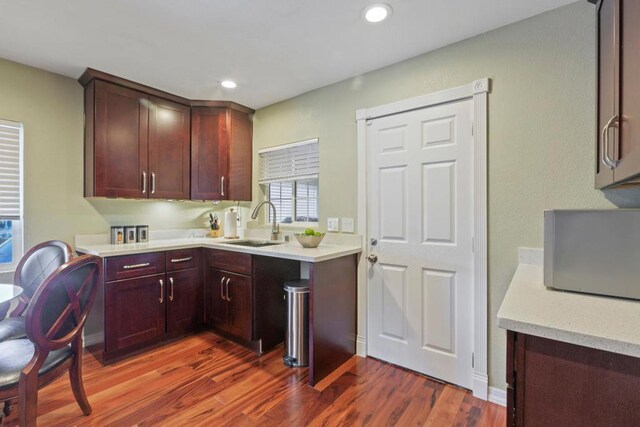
(377, 12)
(229, 84)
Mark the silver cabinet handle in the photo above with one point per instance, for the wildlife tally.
(153, 182)
(171, 289)
(144, 182)
(177, 260)
(605, 143)
(228, 297)
(161, 299)
(222, 186)
(132, 266)
(222, 288)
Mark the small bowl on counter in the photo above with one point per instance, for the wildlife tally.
(309, 241)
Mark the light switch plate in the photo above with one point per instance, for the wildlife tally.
(333, 224)
(347, 225)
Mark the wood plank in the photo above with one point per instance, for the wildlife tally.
(446, 408)
(205, 380)
(346, 366)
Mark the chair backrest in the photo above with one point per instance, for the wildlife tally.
(36, 265)
(60, 306)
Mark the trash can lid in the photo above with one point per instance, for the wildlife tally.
(301, 285)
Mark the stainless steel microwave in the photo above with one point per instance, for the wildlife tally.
(593, 251)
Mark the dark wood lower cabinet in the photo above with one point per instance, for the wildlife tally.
(552, 383)
(239, 305)
(185, 309)
(135, 312)
(232, 306)
(149, 298)
(140, 304)
(244, 296)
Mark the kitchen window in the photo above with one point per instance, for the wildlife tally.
(11, 153)
(290, 176)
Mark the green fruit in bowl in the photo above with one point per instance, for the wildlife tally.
(318, 233)
(310, 232)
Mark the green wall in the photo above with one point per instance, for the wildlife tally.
(541, 131)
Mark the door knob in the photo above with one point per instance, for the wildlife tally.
(372, 258)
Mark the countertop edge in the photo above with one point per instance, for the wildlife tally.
(577, 338)
(339, 251)
(523, 284)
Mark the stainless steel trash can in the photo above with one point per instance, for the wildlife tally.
(297, 338)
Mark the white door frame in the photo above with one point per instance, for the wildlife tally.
(478, 91)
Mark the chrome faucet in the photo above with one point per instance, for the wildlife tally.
(275, 228)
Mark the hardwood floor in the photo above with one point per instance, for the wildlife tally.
(204, 380)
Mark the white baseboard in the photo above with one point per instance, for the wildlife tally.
(361, 346)
(497, 396)
(480, 385)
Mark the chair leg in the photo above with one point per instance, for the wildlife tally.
(28, 400)
(75, 375)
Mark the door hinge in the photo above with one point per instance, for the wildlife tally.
(473, 360)
(473, 129)
(473, 245)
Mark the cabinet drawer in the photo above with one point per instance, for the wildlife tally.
(182, 259)
(229, 261)
(127, 266)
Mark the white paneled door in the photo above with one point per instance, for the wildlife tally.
(420, 211)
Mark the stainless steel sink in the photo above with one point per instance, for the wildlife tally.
(253, 243)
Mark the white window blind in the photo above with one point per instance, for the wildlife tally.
(299, 160)
(10, 170)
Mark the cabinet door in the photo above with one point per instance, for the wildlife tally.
(134, 312)
(120, 141)
(216, 313)
(608, 86)
(209, 153)
(169, 149)
(240, 152)
(240, 308)
(629, 132)
(185, 308)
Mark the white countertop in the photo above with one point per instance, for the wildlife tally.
(291, 250)
(604, 323)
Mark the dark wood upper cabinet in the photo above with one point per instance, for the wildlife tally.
(240, 155)
(209, 154)
(221, 154)
(169, 149)
(618, 118)
(116, 138)
(141, 142)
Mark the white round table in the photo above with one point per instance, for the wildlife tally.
(9, 292)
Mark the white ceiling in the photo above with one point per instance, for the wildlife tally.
(274, 49)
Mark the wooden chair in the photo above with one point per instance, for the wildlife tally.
(35, 266)
(55, 318)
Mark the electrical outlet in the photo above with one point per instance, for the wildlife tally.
(347, 225)
(333, 224)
